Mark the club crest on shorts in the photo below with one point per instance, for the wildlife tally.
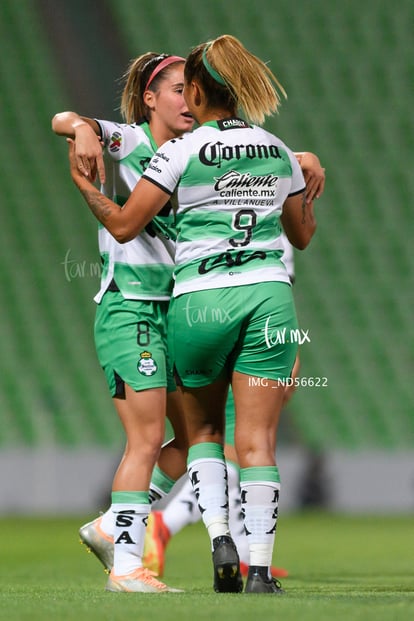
(146, 364)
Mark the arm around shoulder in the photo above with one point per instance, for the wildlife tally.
(68, 123)
(87, 135)
(314, 174)
(126, 222)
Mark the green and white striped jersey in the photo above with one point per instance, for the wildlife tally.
(142, 268)
(232, 180)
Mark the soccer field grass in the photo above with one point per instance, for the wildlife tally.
(341, 568)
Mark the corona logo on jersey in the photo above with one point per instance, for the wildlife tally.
(146, 364)
(213, 154)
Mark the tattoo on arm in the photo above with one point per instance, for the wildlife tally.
(303, 208)
(98, 204)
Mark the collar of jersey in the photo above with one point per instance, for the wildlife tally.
(146, 128)
(215, 123)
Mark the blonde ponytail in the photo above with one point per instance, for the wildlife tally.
(255, 90)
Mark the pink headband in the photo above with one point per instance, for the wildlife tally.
(164, 63)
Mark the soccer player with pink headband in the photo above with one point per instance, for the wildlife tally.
(130, 324)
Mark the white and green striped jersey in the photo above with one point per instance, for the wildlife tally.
(141, 268)
(288, 256)
(232, 180)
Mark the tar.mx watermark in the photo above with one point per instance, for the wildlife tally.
(80, 269)
(195, 314)
(277, 336)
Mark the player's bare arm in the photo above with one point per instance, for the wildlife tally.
(313, 173)
(298, 220)
(125, 222)
(86, 133)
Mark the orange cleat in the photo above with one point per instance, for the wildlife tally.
(142, 580)
(157, 537)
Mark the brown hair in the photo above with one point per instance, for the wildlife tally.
(135, 80)
(233, 78)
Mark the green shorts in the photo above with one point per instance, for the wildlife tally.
(251, 329)
(131, 343)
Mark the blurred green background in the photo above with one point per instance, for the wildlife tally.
(348, 68)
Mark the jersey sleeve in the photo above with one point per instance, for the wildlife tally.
(167, 165)
(119, 139)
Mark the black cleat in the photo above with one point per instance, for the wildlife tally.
(257, 583)
(227, 576)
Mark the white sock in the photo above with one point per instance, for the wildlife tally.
(259, 500)
(208, 475)
(182, 509)
(160, 485)
(129, 530)
(236, 520)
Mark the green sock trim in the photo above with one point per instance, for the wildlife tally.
(130, 498)
(235, 465)
(205, 450)
(161, 480)
(260, 473)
